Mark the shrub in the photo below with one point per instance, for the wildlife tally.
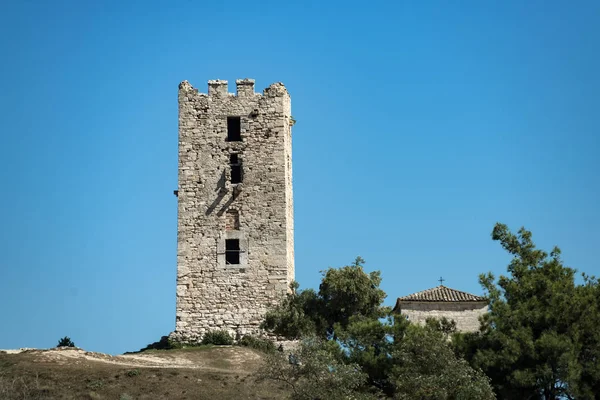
(133, 372)
(217, 337)
(173, 345)
(65, 342)
(95, 385)
(264, 345)
(163, 344)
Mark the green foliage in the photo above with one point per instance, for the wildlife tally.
(264, 345)
(219, 338)
(425, 367)
(65, 342)
(297, 315)
(349, 291)
(354, 347)
(314, 372)
(368, 342)
(95, 384)
(540, 339)
(447, 327)
(585, 381)
(132, 373)
(163, 344)
(173, 345)
(343, 292)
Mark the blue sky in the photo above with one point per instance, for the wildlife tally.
(420, 124)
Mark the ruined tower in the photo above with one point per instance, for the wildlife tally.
(235, 225)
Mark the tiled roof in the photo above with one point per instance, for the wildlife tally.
(441, 293)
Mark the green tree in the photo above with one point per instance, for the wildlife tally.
(586, 334)
(314, 371)
(348, 291)
(444, 325)
(369, 342)
(427, 369)
(343, 292)
(65, 342)
(352, 334)
(540, 338)
(297, 315)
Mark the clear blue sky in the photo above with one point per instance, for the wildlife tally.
(420, 124)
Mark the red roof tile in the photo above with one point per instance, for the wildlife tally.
(441, 293)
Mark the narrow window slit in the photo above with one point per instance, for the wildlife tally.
(236, 169)
(234, 129)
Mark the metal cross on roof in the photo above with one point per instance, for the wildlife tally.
(441, 280)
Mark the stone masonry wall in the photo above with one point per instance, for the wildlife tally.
(465, 314)
(212, 294)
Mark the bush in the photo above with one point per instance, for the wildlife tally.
(314, 372)
(219, 338)
(65, 342)
(264, 345)
(163, 344)
(95, 385)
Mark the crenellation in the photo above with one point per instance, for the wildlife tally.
(217, 88)
(245, 87)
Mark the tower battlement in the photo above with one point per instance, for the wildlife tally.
(235, 225)
(244, 88)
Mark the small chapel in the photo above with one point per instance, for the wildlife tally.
(441, 301)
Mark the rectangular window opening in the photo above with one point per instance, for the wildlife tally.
(236, 169)
(232, 251)
(234, 129)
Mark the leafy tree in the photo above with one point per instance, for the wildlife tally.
(314, 371)
(348, 291)
(540, 338)
(65, 342)
(586, 333)
(357, 348)
(426, 368)
(407, 361)
(369, 342)
(444, 325)
(296, 316)
(343, 292)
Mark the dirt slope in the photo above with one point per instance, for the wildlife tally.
(224, 372)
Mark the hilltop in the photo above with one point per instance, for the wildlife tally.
(205, 372)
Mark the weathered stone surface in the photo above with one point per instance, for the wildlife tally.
(258, 212)
(465, 314)
(441, 301)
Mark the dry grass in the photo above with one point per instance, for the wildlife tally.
(206, 373)
(20, 387)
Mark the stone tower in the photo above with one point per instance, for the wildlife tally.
(235, 225)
